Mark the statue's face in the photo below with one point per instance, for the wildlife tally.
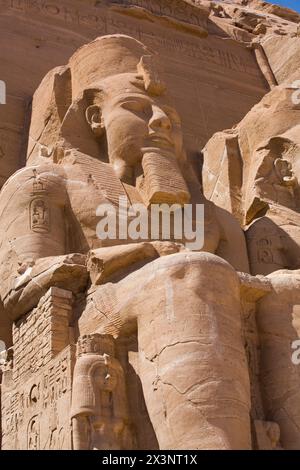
(136, 122)
(284, 168)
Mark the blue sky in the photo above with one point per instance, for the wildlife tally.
(294, 4)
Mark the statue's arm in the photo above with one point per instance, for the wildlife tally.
(113, 263)
(32, 214)
(32, 220)
(232, 246)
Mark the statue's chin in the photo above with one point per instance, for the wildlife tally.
(159, 150)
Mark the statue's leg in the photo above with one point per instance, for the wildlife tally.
(193, 367)
(192, 362)
(278, 321)
(81, 433)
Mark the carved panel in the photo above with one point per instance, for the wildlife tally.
(40, 216)
(42, 334)
(36, 413)
(264, 251)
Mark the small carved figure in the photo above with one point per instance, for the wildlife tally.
(33, 434)
(99, 409)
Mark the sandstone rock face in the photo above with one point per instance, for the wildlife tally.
(137, 339)
(215, 81)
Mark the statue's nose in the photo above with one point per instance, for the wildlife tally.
(159, 119)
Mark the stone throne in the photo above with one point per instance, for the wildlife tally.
(160, 331)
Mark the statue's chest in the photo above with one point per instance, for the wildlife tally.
(90, 186)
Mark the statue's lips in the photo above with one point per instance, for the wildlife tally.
(160, 141)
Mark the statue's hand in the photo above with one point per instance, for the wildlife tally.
(67, 272)
(113, 263)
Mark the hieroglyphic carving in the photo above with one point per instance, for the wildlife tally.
(174, 8)
(177, 9)
(203, 52)
(36, 412)
(39, 209)
(267, 246)
(264, 251)
(110, 24)
(67, 14)
(33, 434)
(38, 186)
(42, 334)
(39, 216)
(40, 391)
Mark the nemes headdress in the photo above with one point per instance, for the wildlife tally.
(90, 65)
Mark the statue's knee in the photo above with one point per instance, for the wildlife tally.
(203, 270)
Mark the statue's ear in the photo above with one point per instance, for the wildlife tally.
(94, 118)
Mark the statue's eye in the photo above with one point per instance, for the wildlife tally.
(131, 105)
(137, 106)
(172, 115)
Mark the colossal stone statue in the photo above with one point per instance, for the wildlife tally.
(267, 157)
(102, 127)
(158, 328)
(268, 154)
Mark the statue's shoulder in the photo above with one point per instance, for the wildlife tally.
(22, 179)
(22, 187)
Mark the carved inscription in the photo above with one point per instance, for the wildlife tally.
(40, 216)
(264, 253)
(114, 23)
(174, 8)
(34, 434)
(41, 335)
(36, 416)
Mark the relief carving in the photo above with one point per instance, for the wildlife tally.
(264, 253)
(34, 434)
(39, 216)
(276, 181)
(99, 410)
